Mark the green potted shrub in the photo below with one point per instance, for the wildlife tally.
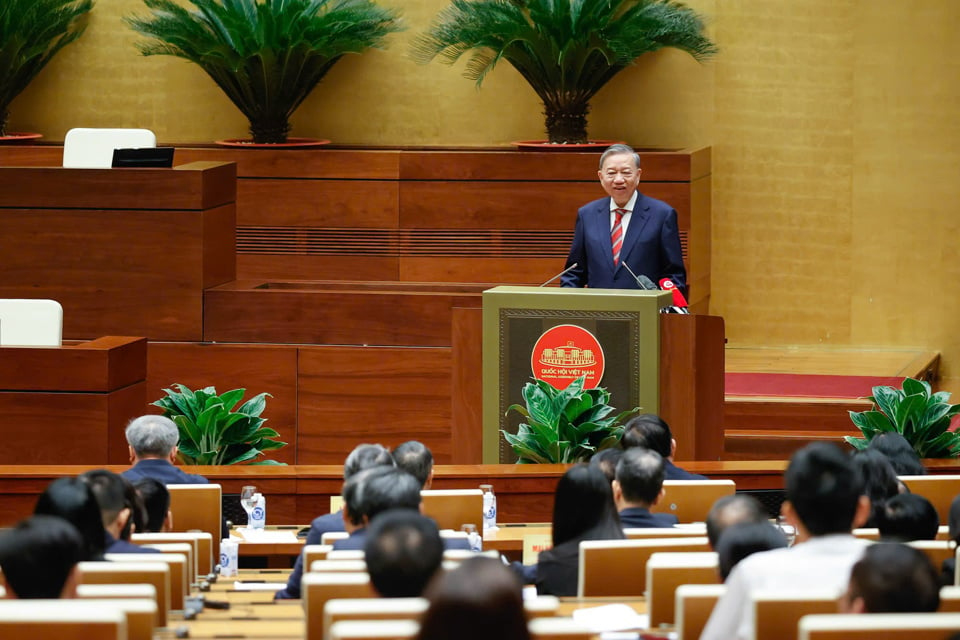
(267, 55)
(920, 416)
(211, 432)
(567, 425)
(567, 50)
(31, 33)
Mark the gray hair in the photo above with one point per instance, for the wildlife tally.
(619, 149)
(366, 456)
(152, 435)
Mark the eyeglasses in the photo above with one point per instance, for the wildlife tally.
(626, 174)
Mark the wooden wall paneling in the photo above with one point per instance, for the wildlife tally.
(494, 271)
(104, 364)
(351, 395)
(54, 428)
(500, 164)
(219, 245)
(273, 267)
(699, 245)
(31, 156)
(123, 405)
(316, 203)
(344, 164)
(466, 395)
(257, 368)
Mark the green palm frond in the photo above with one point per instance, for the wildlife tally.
(266, 56)
(31, 33)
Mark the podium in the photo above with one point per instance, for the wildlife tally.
(71, 404)
(668, 364)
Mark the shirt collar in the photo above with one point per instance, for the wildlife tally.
(631, 203)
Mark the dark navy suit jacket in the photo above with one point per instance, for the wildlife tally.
(161, 471)
(651, 247)
(114, 545)
(319, 526)
(673, 472)
(638, 517)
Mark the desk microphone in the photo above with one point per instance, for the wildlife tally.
(643, 282)
(679, 302)
(570, 268)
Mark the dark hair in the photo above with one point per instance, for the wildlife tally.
(114, 493)
(640, 475)
(895, 578)
(403, 551)
(479, 600)
(606, 460)
(649, 431)
(37, 555)
(824, 488)
(366, 456)
(72, 499)
(743, 539)
(730, 510)
(899, 452)
(375, 490)
(414, 458)
(907, 517)
(583, 507)
(953, 520)
(156, 502)
(879, 481)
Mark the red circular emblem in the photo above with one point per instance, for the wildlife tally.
(566, 352)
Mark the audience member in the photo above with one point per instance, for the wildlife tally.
(899, 452)
(892, 578)
(156, 505)
(949, 566)
(879, 482)
(72, 499)
(371, 492)
(907, 517)
(638, 486)
(417, 460)
(152, 444)
(606, 460)
(39, 556)
(118, 502)
(730, 510)
(824, 503)
(479, 600)
(652, 432)
(403, 551)
(744, 539)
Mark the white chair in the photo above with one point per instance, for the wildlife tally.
(30, 323)
(908, 626)
(93, 148)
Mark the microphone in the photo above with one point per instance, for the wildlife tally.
(642, 281)
(679, 302)
(570, 268)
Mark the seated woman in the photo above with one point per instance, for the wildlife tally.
(72, 499)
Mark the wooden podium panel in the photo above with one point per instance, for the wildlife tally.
(123, 250)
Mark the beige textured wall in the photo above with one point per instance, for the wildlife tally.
(833, 123)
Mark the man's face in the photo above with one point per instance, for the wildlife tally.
(619, 176)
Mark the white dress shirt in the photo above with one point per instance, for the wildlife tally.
(625, 220)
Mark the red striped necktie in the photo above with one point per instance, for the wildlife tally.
(616, 235)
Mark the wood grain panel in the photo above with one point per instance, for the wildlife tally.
(466, 395)
(348, 396)
(123, 406)
(54, 428)
(31, 156)
(104, 364)
(219, 245)
(790, 414)
(306, 267)
(493, 271)
(318, 203)
(369, 164)
(257, 368)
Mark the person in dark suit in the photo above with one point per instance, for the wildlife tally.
(652, 432)
(153, 442)
(626, 227)
(637, 487)
(120, 509)
(38, 558)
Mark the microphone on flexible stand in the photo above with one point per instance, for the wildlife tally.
(570, 268)
(643, 282)
(679, 302)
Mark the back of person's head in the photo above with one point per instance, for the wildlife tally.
(156, 503)
(606, 460)
(898, 450)
(366, 456)
(117, 499)
(403, 551)
(479, 600)
(953, 520)
(152, 436)
(879, 481)
(824, 488)
(649, 431)
(583, 507)
(416, 459)
(640, 475)
(730, 510)
(72, 499)
(743, 539)
(892, 578)
(373, 491)
(38, 556)
(907, 517)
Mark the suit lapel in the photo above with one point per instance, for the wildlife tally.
(601, 231)
(638, 219)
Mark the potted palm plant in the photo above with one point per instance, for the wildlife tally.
(31, 33)
(267, 55)
(566, 50)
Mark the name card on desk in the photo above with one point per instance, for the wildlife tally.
(533, 544)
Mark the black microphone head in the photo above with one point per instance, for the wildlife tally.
(646, 282)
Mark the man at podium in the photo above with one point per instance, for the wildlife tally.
(626, 236)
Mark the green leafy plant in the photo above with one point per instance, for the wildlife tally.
(31, 33)
(211, 432)
(566, 50)
(267, 56)
(922, 417)
(566, 425)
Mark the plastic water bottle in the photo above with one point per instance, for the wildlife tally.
(489, 507)
(473, 538)
(229, 558)
(258, 514)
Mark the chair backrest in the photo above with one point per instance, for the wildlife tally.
(177, 562)
(939, 490)
(30, 323)
(116, 591)
(196, 507)
(61, 620)
(313, 552)
(619, 567)
(184, 549)
(936, 550)
(694, 604)
(559, 629)
(541, 607)
(329, 537)
(369, 609)
(690, 500)
(889, 626)
(453, 508)
(664, 532)
(666, 572)
(318, 588)
(201, 540)
(123, 573)
(949, 599)
(867, 533)
(776, 615)
(373, 630)
(85, 148)
(345, 554)
(141, 614)
(459, 555)
(350, 566)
